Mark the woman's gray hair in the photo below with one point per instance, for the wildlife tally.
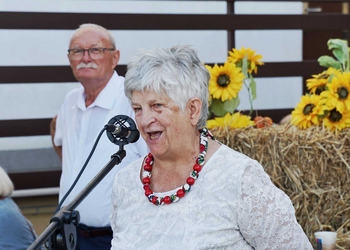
(6, 185)
(175, 71)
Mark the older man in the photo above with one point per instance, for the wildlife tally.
(93, 56)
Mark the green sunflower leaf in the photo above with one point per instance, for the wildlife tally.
(231, 105)
(339, 49)
(239, 64)
(330, 78)
(219, 108)
(252, 86)
(324, 115)
(327, 61)
(245, 67)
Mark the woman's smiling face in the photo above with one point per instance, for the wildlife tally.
(161, 123)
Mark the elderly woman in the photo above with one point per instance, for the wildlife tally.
(190, 191)
(16, 232)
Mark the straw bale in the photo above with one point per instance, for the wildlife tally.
(311, 166)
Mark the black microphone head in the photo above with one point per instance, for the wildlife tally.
(121, 130)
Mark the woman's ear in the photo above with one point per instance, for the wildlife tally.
(195, 107)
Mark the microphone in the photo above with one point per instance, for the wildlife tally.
(118, 130)
(121, 130)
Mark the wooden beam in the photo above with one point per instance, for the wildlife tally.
(25, 127)
(53, 21)
(47, 74)
(35, 179)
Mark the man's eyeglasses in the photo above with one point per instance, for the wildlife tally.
(94, 53)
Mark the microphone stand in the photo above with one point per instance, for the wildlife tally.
(61, 230)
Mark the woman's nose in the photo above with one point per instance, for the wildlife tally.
(146, 118)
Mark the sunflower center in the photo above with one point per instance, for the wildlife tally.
(320, 89)
(335, 116)
(223, 80)
(342, 93)
(308, 109)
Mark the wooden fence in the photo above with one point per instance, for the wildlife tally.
(230, 22)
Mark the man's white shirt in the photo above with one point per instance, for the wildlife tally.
(77, 128)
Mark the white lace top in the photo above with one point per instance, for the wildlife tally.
(232, 205)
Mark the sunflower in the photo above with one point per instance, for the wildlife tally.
(305, 114)
(337, 120)
(236, 56)
(225, 81)
(317, 84)
(338, 93)
(237, 120)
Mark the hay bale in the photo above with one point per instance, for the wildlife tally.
(311, 166)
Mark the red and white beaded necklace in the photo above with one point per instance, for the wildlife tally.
(147, 169)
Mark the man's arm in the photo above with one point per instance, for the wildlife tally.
(58, 149)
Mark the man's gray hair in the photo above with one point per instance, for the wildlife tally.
(175, 71)
(6, 185)
(96, 26)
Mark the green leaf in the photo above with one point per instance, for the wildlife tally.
(252, 86)
(231, 105)
(219, 108)
(324, 115)
(339, 49)
(239, 64)
(245, 67)
(330, 79)
(327, 61)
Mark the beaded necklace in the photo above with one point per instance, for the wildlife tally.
(147, 169)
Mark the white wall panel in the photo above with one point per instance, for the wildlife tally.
(25, 142)
(49, 47)
(114, 6)
(34, 47)
(281, 92)
(30, 101)
(268, 7)
(273, 45)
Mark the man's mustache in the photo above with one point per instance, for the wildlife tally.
(90, 65)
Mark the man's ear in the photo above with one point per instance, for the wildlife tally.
(69, 59)
(195, 108)
(116, 56)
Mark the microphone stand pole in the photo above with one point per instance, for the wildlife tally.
(61, 229)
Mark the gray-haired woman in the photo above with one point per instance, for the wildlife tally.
(191, 192)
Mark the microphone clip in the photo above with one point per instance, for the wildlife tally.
(122, 130)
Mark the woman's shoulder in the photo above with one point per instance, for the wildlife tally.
(233, 163)
(231, 156)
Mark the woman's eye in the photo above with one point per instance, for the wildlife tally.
(136, 109)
